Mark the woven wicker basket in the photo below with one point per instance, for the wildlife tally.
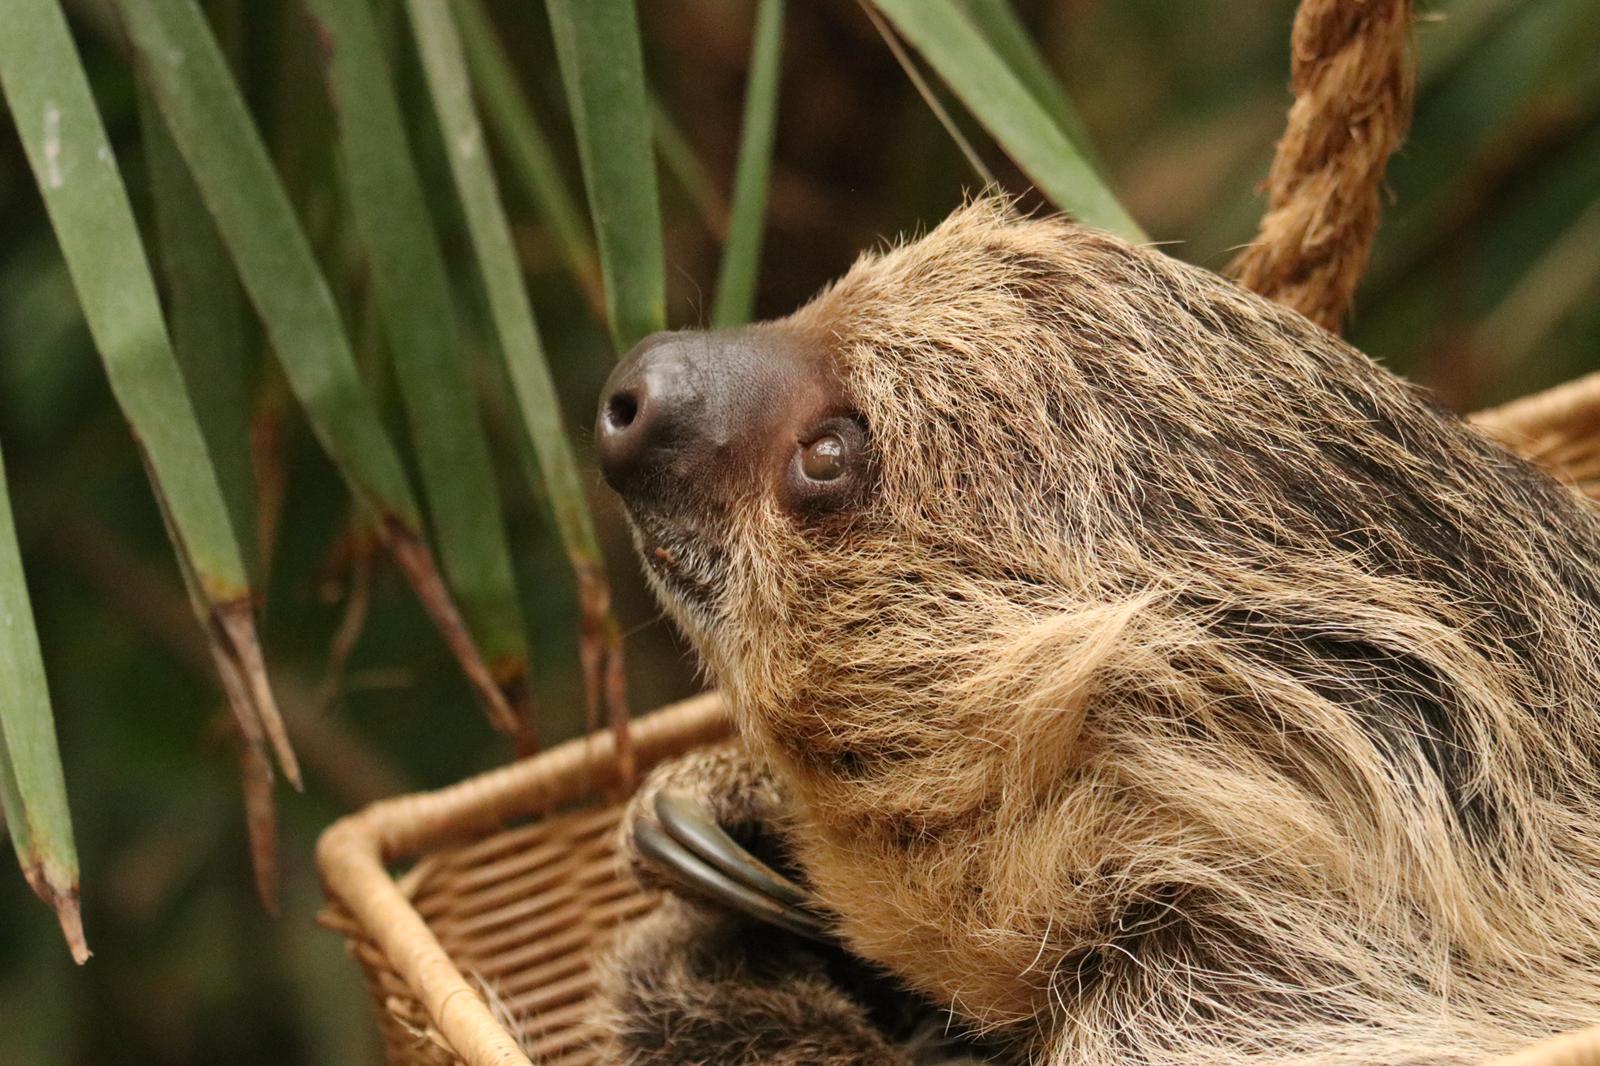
(513, 888)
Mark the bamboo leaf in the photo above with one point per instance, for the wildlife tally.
(413, 297)
(531, 160)
(182, 65)
(973, 69)
(741, 255)
(33, 792)
(445, 68)
(602, 66)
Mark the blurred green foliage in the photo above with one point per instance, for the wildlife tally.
(1483, 285)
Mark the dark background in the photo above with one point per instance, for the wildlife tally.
(1483, 285)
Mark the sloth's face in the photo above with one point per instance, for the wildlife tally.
(910, 460)
(701, 432)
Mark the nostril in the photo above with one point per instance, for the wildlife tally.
(623, 434)
(621, 410)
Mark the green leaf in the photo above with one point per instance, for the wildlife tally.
(179, 60)
(531, 161)
(33, 792)
(602, 66)
(741, 255)
(444, 66)
(88, 206)
(206, 310)
(998, 22)
(512, 313)
(412, 290)
(973, 69)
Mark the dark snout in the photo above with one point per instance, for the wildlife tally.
(682, 410)
(653, 407)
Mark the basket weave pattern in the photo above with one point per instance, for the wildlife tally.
(480, 952)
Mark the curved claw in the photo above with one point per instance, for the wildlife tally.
(687, 823)
(690, 853)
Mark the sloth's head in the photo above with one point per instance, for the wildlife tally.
(997, 470)
(1083, 599)
(992, 427)
(826, 501)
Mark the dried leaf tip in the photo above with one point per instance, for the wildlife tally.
(70, 915)
(64, 901)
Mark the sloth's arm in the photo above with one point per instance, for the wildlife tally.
(691, 985)
(698, 983)
(737, 969)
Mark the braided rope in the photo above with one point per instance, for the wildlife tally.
(1353, 79)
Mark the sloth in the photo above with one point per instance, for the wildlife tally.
(1126, 669)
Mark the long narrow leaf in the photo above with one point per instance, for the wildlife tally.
(997, 97)
(88, 206)
(891, 41)
(83, 191)
(602, 66)
(600, 640)
(531, 160)
(206, 310)
(413, 297)
(180, 62)
(998, 22)
(741, 255)
(255, 769)
(33, 793)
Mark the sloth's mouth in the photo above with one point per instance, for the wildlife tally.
(682, 566)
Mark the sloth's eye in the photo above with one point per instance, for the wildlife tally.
(829, 467)
(824, 458)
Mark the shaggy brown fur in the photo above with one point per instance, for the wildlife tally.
(1186, 689)
(695, 984)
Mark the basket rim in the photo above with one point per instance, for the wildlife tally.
(354, 853)
(1570, 403)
